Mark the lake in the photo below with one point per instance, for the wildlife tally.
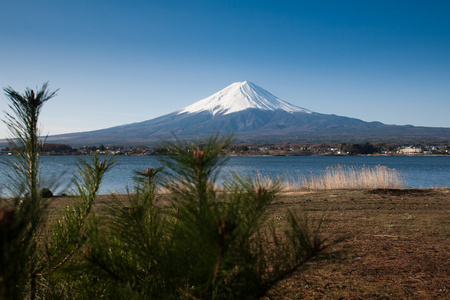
(420, 171)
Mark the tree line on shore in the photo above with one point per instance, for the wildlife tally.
(288, 149)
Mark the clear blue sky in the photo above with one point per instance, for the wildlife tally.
(119, 62)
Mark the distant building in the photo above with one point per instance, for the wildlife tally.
(410, 150)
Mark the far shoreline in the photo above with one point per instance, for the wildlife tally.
(258, 155)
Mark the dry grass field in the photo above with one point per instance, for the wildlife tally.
(396, 246)
(396, 243)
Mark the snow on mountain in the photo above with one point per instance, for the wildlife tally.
(240, 96)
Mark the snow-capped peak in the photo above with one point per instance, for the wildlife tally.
(241, 96)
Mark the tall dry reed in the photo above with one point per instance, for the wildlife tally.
(352, 177)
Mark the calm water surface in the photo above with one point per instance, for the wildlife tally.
(421, 171)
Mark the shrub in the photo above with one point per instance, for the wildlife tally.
(208, 244)
(19, 262)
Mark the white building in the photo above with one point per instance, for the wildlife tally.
(410, 150)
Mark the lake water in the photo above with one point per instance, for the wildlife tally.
(420, 171)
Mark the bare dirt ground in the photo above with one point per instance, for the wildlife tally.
(396, 246)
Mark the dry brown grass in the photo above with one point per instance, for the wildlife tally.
(350, 177)
(397, 244)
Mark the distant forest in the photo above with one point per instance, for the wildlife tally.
(249, 149)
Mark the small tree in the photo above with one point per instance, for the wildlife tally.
(210, 244)
(66, 238)
(18, 262)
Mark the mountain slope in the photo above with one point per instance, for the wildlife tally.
(254, 115)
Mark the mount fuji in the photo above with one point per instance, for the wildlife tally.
(240, 96)
(254, 115)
